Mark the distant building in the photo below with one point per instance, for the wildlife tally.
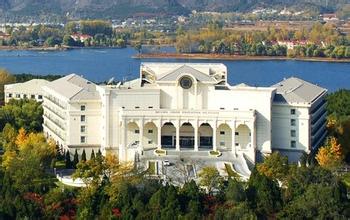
(80, 37)
(185, 107)
(292, 44)
(329, 17)
(31, 89)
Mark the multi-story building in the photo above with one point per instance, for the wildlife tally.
(185, 108)
(31, 89)
(72, 113)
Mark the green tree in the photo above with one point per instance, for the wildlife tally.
(68, 40)
(68, 161)
(83, 156)
(274, 166)
(76, 159)
(92, 156)
(210, 178)
(5, 78)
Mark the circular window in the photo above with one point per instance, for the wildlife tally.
(186, 82)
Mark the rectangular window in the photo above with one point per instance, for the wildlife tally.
(222, 108)
(82, 118)
(10, 95)
(293, 122)
(18, 96)
(222, 143)
(293, 133)
(82, 108)
(293, 144)
(150, 131)
(222, 132)
(236, 133)
(292, 111)
(40, 97)
(24, 96)
(137, 107)
(137, 131)
(82, 139)
(150, 142)
(32, 96)
(236, 144)
(82, 128)
(150, 106)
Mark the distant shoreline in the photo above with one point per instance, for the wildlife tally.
(202, 56)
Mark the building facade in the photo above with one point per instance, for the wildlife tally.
(31, 89)
(185, 108)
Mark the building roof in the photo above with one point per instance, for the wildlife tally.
(30, 87)
(295, 90)
(74, 87)
(174, 74)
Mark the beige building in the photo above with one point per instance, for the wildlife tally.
(31, 89)
(185, 108)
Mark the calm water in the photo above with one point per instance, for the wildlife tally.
(102, 64)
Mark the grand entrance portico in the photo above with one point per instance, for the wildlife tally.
(195, 129)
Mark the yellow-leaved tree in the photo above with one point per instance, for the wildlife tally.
(330, 156)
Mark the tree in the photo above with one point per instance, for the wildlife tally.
(330, 155)
(76, 159)
(235, 191)
(68, 40)
(68, 160)
(274, 166)
(263, 194)
(5, 78)
(210, 178)
(92, 156)
(83, 156)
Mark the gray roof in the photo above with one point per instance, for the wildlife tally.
(75, 87)
(173, 75)
(295, 90)
(30, 87)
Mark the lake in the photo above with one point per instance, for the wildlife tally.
(102, 64)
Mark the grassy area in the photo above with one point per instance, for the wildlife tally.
(151, 167)
(230, 171)
(60, 164)
(214, 153)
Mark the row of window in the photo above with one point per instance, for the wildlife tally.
(138, 107)
(25, 96)
(221, 132)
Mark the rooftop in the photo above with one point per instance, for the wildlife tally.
(74, 87)
(30, 87)
(295, 90)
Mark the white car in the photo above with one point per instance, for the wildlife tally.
(166, 163)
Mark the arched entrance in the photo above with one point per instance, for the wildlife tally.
(150, 132)
(205, 134)
(168, 135)
(243, 136)
(224, 136)
(133, 136)
(187, 135)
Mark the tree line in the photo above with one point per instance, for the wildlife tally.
(321, 40)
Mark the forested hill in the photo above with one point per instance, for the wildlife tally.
(122, 8)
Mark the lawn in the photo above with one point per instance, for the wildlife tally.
(230, 171)
(151, 167)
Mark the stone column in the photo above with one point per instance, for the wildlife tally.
(234, 148)
(159, 135)
(141, 135)
(196, 144)
(214, 138)
(177, 126)
(124, 140)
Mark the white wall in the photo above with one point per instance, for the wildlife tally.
(281, 127)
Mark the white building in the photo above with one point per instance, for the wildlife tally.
(31, 89)
(189, 102)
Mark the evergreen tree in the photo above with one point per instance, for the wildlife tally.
(67, 160)
(76, 159)
(92, 156)
(99, 154)
(83, 156)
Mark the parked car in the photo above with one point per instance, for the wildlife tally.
(166, 163)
